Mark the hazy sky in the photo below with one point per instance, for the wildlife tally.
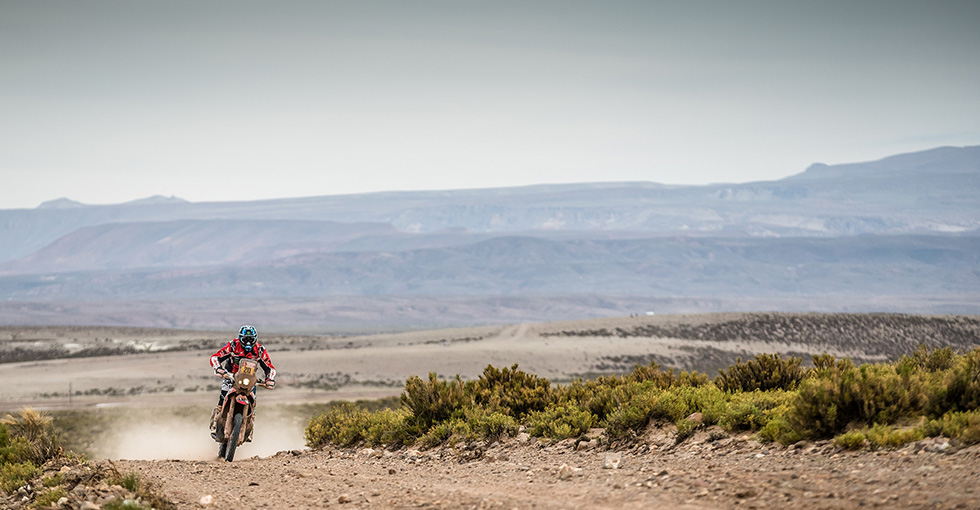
(107, 102)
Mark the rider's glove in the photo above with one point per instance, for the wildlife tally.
(220, 372)
(271, 383)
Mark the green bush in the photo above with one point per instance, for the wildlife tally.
(386, 427)
(450, 431)
(342, 425)
(511, 391)
(886, 436)
(936, 360)
(490, 425)
(36, 429)
(52, 481)
(561, 422)
(13, 476)
(835, 397)
(130, 482)
(433, 401)
(13, 449)
(957, 388)
(48, 498)
(770, 395)
(964, 426)
(754, 410)
(853, 440)
(764, 372)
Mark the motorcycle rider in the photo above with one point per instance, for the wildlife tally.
(223, 362)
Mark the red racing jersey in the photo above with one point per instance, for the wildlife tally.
(226, 356)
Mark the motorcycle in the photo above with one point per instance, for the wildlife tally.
(233, 420)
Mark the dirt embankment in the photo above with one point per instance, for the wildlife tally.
(700, 473)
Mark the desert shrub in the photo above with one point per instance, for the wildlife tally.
(433, 401)
(13, 450)
(779, 429)
(561, 422)
(754, 410)
(685, 429)
(36, 430)
(49, 498)
(511, 391)
(15, 475)
(664, 379)
(886, 436)
(631, 417)
(835, 397)
(923, 359)
(853, 440)
(490, 425)
(52, 481)
(450, 431)
(879, 436)
(764, 372)
(670, 405)
(343, 425)
(823, 361)
(692, 379)
(598, 399)
(964, 426)
(130, 482)
(957, 388)
(387, 427)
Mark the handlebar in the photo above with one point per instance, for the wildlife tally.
(258, 382)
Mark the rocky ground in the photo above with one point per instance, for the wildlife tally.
(709, 470)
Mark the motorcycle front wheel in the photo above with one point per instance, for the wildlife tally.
(232, 444)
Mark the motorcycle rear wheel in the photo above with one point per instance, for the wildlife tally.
(232, 444)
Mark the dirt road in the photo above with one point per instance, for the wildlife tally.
(731, 472)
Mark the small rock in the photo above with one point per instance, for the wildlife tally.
(62, 501)
(696, 418)
(88, 505)
(612, 461)
(65, 469)
(585, 445)
(565, 471)
(523, 437)
(207, 500)
(344, 498)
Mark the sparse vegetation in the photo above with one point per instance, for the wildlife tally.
(925, 394)
(29, 442)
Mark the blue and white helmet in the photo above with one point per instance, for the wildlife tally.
(246, 336)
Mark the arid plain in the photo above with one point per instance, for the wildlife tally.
(145, 394)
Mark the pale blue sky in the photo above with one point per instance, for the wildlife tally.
(106, 102)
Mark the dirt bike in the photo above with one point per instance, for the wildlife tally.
(233, 420)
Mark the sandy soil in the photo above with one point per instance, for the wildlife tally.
(728, 473)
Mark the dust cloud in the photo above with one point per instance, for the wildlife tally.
(182, 438)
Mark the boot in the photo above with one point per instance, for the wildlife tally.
(214, 423)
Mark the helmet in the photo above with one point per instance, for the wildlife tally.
(246, 336)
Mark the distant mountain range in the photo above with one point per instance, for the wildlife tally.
(901, 227)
